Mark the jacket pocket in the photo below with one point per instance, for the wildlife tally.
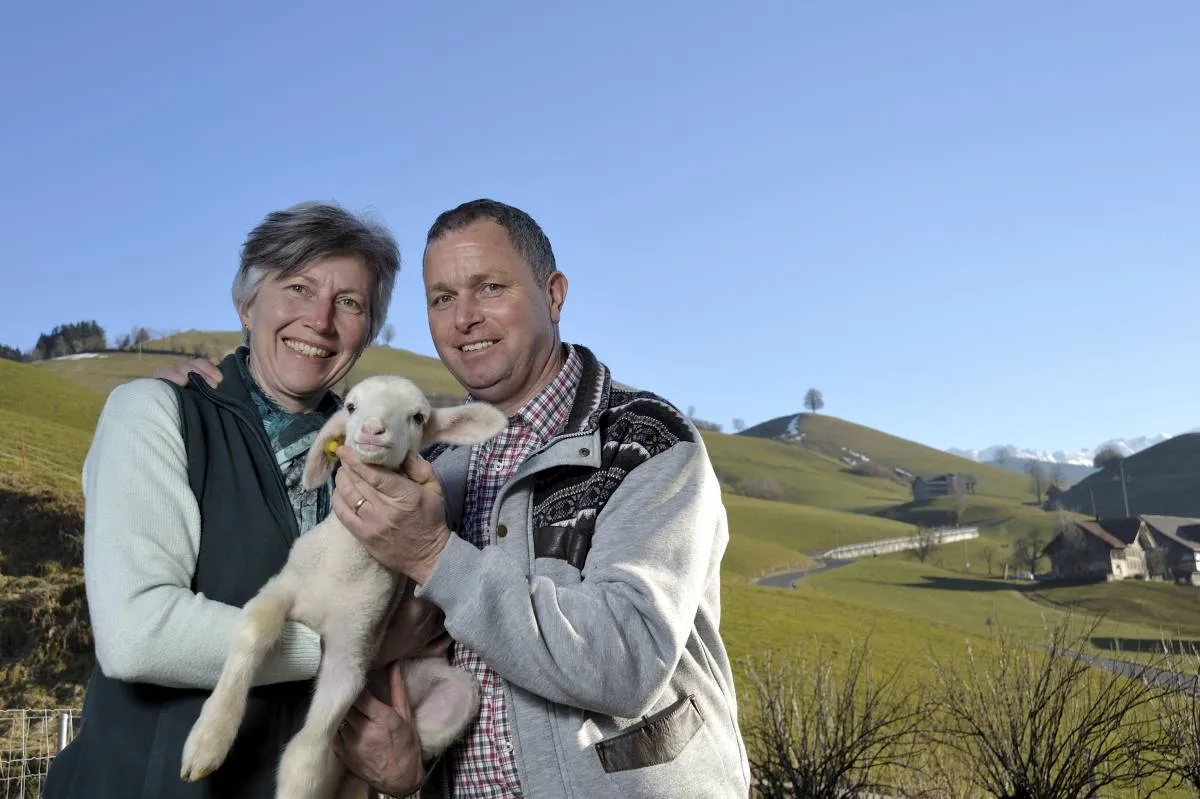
(655, 740)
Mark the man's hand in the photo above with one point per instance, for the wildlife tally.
(402, 521)
(178, 373)
(416, 629)
(378, 741)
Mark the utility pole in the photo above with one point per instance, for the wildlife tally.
(1092, 494)
(1123, 489)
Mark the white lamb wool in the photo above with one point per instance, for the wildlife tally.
(331, 584)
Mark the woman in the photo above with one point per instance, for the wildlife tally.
(193, 500)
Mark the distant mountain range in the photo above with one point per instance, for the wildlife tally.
(1074, 465)
(1081, 457)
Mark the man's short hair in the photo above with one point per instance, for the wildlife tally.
(525, 235)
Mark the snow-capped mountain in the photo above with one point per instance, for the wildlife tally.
(1081, 457)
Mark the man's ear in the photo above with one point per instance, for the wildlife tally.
(556, 295)
(472, 423)
(320, 461)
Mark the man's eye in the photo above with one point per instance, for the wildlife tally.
(491, 288)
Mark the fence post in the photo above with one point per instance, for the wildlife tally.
(64, 730)
(24, 466)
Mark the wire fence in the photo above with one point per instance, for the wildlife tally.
(29, 740)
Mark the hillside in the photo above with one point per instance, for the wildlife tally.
(785, 504)
(833, 437)
(1163, 479)
(49, 422)
(104, 371)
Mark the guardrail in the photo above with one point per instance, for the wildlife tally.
(29, 740)
(940, 536)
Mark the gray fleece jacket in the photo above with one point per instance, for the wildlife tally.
(598, 602)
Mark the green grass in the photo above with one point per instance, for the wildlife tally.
(803, 477)
(1173, 608)
(828, 434)
(48, 423)
(775, 536)
(104, 373)
(32, 392)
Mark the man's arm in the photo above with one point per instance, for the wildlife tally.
(141, 540)
(610, 642)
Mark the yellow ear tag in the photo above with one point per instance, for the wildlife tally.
(331, 448)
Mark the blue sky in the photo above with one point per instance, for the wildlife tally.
(966, 223)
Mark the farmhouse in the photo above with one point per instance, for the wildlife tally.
(1109, 549)
(1178, 539)
(942, 485)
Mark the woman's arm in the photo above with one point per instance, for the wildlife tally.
(141, 541)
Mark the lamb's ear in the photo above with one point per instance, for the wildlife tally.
(319, 463)
(472, 423)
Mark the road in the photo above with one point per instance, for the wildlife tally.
(786, 579)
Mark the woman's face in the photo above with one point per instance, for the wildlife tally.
(307, 330)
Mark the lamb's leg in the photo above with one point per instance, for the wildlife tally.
(259, 626)
(445, 699)
(310, 769)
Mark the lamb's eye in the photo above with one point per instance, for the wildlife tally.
(349, 407)
(419, 418)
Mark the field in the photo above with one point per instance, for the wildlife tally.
(786, 504)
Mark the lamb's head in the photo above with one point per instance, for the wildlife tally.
(386, 418)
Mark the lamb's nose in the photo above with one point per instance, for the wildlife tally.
(372, 427)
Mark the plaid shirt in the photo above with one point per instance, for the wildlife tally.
(482, 762)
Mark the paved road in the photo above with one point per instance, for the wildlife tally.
(786, 579)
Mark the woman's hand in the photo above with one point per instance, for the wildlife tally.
(378, 740)
(178, 373)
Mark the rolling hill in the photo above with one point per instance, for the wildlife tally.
(1163, 479)
(834, 437)
(785, 502)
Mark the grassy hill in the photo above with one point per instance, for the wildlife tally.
(1163, 479)
(785, 503)
(829, 435)
(108, 370)
(48, 422)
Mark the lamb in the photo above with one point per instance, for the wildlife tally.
(332, 584)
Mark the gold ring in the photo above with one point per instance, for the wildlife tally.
(359, 504)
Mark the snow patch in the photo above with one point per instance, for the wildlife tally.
(80, 355)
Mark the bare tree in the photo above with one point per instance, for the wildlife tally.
(739, 425)
(989, 557)
(1180, 714)
(958, 488)
(1003, 455)
(1058, 476)
(824, 727)
(1107, 454)
(813, 400)
(1042, 722)
(1037, 479)
(927, 542)
(388, 333)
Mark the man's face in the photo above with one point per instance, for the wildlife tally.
(493, 327)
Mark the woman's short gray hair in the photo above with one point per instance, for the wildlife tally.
(287, 241)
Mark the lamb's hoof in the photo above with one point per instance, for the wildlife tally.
(204, 751)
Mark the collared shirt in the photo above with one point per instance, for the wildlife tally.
(483, 763)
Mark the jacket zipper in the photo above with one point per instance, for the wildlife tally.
(261, 437)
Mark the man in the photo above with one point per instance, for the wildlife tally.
(576, 556)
